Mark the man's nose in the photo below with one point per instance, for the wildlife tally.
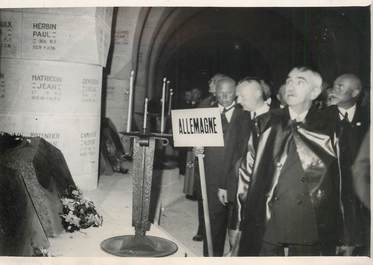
(289, 88)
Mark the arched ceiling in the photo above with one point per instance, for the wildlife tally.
(282, 36)
(234, 26)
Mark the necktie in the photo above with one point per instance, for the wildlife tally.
(253, 115)
(342, 123)
(225, 110)
(224, 120)
(255, 129)
(345, 118)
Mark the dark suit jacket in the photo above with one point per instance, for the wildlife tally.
(356, 216)
(218, 161)
(353, 138)
(235, 140)
(242, 130)
(323, 181)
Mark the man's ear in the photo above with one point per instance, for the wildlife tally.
(355, 93)
(259, 93)
(316, 91)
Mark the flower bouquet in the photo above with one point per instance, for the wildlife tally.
(78, 212)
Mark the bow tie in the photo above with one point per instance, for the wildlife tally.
(228, 109)
(294, 124)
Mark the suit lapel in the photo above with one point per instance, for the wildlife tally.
(359, 117)
(228, 130)
(234, 116)
(282, 132)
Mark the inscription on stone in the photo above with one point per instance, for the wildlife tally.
(121, 37)
(87, 144)
(51, 137)
(46, 87)
(89, 90)
(110, 93)
(44, 36)
(6, 34)
(2, 86)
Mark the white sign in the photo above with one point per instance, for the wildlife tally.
(197, 127)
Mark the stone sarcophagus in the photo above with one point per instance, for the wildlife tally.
(33, 176)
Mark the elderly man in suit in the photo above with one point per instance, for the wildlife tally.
(207, 102)
(351, 122)
(252, 94)
(292, 206)
(218, 161)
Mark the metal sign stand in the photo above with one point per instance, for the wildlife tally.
(141, 245)
(206, 215)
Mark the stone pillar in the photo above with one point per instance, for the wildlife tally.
(50, 80)
(117, 91)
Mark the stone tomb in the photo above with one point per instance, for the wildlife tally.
(33, 175)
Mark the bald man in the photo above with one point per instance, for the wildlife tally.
(350, 123)
(345, 92)
(218, 161)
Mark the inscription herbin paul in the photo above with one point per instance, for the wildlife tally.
(44, 36)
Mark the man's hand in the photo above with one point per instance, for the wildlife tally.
(234, 237)
(222, 195)
(345, 250)
(198, 150)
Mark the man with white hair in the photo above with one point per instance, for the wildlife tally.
(291, 205)
(211, 99)
(254, 95)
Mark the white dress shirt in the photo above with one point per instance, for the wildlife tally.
(350, 113)
(296, 116)
(229, 113)
(263, 109)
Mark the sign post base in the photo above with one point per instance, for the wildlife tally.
(139, 246)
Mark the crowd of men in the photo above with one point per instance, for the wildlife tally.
(292, 178)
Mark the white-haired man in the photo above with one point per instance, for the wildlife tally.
(292, 204)
(211, 99)
(254, 95)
